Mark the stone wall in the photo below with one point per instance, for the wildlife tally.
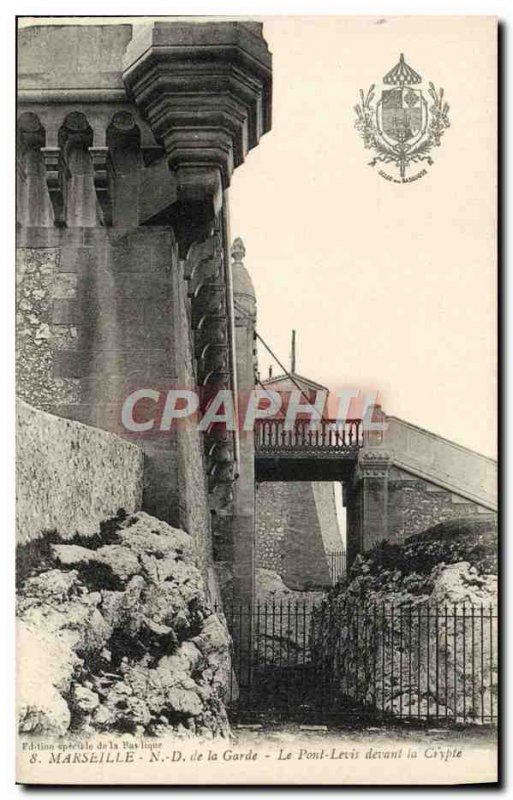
(271, 525)
(403, 505)
(94, 319)
(416, 505)
(46, 327)
(71, 476)
(324, 497)
(101, 314)
(122, 168)
(296, 524)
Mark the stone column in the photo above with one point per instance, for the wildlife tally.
(243, 537)
(373, 471)
(366, 496)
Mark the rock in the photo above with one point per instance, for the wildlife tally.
(84, 699)
(123, 688)
(151, 536)
(77, 623)
(460, 583)
(214, 645)
(46, 666)
(52, 587)
(185, 660)
(213, 638)
(124, 711)
(43, 331)
(124, 608)
(185, 701)
(71, 554)
(154, 627)
(435, 651)
(170, 684)
(122, 561)
(48, 714)
(167, 655)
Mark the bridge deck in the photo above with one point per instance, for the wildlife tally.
(324, 451)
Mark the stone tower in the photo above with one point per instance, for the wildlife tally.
(128, 136)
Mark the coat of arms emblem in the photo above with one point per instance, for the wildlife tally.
(405, 124)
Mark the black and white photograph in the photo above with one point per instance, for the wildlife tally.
(256, 400)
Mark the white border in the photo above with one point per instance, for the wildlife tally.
(501, 8)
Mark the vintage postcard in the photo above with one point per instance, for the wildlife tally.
(257, 509)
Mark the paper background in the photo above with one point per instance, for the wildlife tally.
(389, 286)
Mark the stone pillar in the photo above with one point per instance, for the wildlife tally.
(352, 498)
(373, 471)
(366, 496)
(243, 537)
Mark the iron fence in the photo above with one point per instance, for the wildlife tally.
(336, 564)
(419, 662)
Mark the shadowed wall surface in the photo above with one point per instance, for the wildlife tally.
(296, 524)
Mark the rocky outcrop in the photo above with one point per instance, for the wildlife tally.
(416, 627)
(270, 586)
(116, 634)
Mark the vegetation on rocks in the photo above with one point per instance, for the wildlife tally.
(416, 625)
(408, 572)
(116, 635)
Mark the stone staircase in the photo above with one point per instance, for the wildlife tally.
(468, 476)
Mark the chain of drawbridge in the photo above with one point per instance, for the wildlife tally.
(273, 355)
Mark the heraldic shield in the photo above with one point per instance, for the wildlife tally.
(404, 125)
(402, 115)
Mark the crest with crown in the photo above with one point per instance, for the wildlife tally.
(404, 125)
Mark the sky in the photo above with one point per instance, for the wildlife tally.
(389, 287)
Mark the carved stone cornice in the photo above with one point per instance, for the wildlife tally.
(102, 168)
(203, 264)
(31, 134)
(373, 464)
(205, 90)
(57, 176)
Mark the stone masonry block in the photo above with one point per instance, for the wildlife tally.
(65, 311)
(142, 287)
(76, 259)
(68, 364)
(131, 258)
(38, 237)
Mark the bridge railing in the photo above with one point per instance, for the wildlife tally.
(331, 435)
